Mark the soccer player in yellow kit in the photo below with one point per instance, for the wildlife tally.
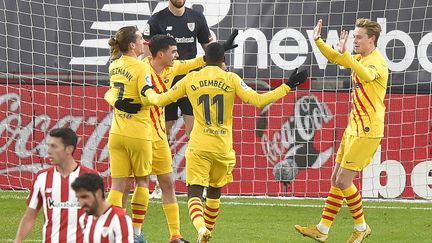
(210, 157)
(130, 138)
(365, 128)
(164, 68)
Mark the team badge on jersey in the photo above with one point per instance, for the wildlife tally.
(191, 26)
(169, 28)
(105, 231)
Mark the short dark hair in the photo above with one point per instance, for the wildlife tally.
(214, 54)
(161, 43)
(90, 182)
(68, 136)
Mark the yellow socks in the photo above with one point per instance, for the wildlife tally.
(139, 205)
(355, 205)
(196, 212)
(211, 211)
(171, 211)
(115, 198)
(331, 208)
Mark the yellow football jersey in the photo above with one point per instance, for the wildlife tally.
(127, 78)
(211, 92)
(369, 77)
(161, 83)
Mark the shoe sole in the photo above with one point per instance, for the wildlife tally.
(304, 235)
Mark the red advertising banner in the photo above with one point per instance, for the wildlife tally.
(285, 149)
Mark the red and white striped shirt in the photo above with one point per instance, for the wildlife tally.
(53, 192)
(114, 226)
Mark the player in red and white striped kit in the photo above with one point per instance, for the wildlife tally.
(103, 222)
(51, 191)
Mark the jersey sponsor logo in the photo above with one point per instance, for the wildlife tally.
(185, 39)
(218, 132)
(191, 26)
(169, 28)
(123, 115)
(53, 204)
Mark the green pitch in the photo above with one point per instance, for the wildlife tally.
(260, 220)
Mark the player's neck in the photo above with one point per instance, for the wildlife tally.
(67, 167)
(131, 54)
(366, 53)
(103, 207)
(157, 66)
(176, 11)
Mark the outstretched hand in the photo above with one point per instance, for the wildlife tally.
(296, 78)
(342, 45)
(317, 30)
(229, 43)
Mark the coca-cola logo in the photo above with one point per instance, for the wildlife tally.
(30, 139)
(26, 137)
(291, 146)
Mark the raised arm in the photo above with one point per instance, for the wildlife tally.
(250, 96)
(365, 73)
(184, 66)
(260, 100)
(331, 54)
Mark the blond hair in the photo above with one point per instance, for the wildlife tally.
(372, 28)
(120, 43)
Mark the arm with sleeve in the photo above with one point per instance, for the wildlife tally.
(163, 99)
(111, 96)
(184, 66)
(250, 96)
(347, 60)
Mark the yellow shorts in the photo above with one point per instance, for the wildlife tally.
(162, 158)
(129, 156)
(209, 169)
(355, 153)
